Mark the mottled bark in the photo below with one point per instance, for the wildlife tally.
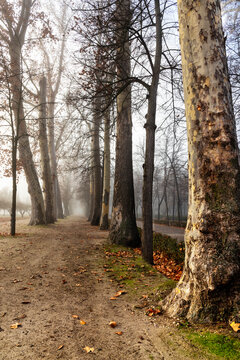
(123, 224)
(209, 288)
(45, 161)
(106, 173)
(147, 237)
(96, 171)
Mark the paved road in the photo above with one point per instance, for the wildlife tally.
(173, 231)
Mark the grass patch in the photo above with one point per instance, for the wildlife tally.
(126, 267)
(224, 347)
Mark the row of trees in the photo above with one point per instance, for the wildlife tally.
(26, 95)
(126, 61)
(125, 46)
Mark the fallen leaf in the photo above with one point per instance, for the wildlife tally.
(113, 298)
(88, 349)
(113, 324)
(75, 316)
(153, 312)
(235, 326)
(119, 293)
(82, 322)
(78, 285)
(119, 332)
(60, 347)
(15, 326)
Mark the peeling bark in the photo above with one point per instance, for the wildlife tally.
(209, 289)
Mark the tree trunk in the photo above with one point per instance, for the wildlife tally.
(106, 172)
(209, 288)
(123, 224)
(58, 210)
(14, 184)
(38, 215)
(91, 185)
(97, 182)
(147, 237)
(45, 162)
(60, 214)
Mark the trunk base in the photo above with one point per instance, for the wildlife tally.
(125, 233)
(199, 305)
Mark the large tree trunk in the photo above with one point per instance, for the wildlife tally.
(97, 181)
(209, 288)
(38, 215)
(123, 225)
(106, 172)
(147, 237)
(45, 161)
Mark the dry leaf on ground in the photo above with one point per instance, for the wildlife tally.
(88, 349)
(82, 322)
(119, 332)
(113, 324)
(15, 326)
(235, 326)
(75, 316)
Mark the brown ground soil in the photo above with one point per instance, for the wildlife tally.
(47, 275)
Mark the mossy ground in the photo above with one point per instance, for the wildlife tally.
(126, 267)
(226, 347)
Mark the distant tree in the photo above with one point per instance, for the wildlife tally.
(45, 161)
(12, 34)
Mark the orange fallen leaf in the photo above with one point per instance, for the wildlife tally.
(88, 349)
(113, 324)
(119, 293)
(15, 326)
(235, 326)
(113, 298)
(82, 322)
(119, 332)
(75, 316)
(60, 347)
(153, 312)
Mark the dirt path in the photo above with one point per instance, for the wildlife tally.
(47, 275)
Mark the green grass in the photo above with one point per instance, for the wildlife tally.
(224, 347)
(134, 273)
